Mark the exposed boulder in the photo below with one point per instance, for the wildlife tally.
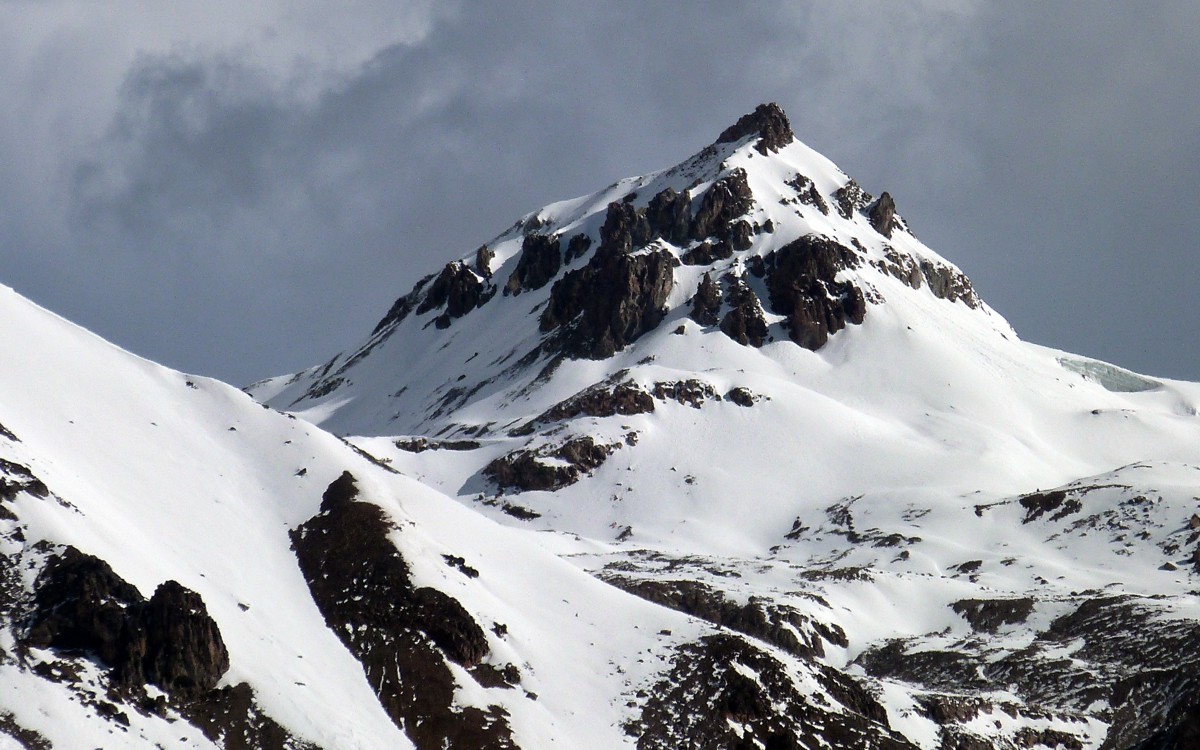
(457, 288)
(483, 261)
(768, 122)
(801, 281)
(402, 635)
(690, 392)
(706, 302)
(741, 396)
(883, 214)
(744, 322)
(601, 400)
(850, 199)
(548, 468)
(577, 247)
(807, 193)
(540, 260)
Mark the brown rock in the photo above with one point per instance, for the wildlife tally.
(882, 214)
(768, 122)
(706, 302)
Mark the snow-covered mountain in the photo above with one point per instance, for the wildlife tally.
(718, 457)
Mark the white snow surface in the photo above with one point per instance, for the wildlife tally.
(871, 484)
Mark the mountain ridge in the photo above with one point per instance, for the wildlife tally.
(717, 457)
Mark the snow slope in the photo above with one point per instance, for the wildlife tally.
(169, 476)
(722, 456)
(892, 472)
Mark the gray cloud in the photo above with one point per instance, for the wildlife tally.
(241, 213)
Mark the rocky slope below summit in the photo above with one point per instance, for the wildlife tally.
(742, 390)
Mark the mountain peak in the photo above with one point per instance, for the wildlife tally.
(767, 121)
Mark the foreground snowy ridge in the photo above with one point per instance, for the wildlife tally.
(722, 456)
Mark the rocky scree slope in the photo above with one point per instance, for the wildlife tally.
(741, 390)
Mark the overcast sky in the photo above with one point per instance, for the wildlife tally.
(242, 189)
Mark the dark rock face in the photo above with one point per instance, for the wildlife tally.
(82, 606)
(801, 283)
(483, 261)
(807, 193)
(577, 247)
(231, 718)
(988, 615)
(609, 303)
(882, 214)
(182, 651)
(703, 693)
(726, 200)
(669, 216)
(1056, 502)
(690, 392)
(601, 400)
(777, 625)
(950, 285)
(525, 471)
(744, 322)
(401, 634)
(1124, 654)
(707, 252)
(16, 478)
(706, 302)
(539, 263)
(850, 199)
(458, 289)
(944, 282)
(766, 121)
(741, 396)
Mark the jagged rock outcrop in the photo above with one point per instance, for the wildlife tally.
(82, 606)
(780, 626)
(744, 321)
(601, 400)
(706, 302)
(728, 199)
(807, 193)
(457, 288)
(540, 261)
(767, 121)
(850, 199)
(615, 298)
(549, 467)
(483, 261)
(709, 701)
(577, 247)
(801, 280)
(883, 214)
(401, 634)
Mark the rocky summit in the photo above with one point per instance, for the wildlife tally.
(722, 456)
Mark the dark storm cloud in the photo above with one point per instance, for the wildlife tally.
(231, 221)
